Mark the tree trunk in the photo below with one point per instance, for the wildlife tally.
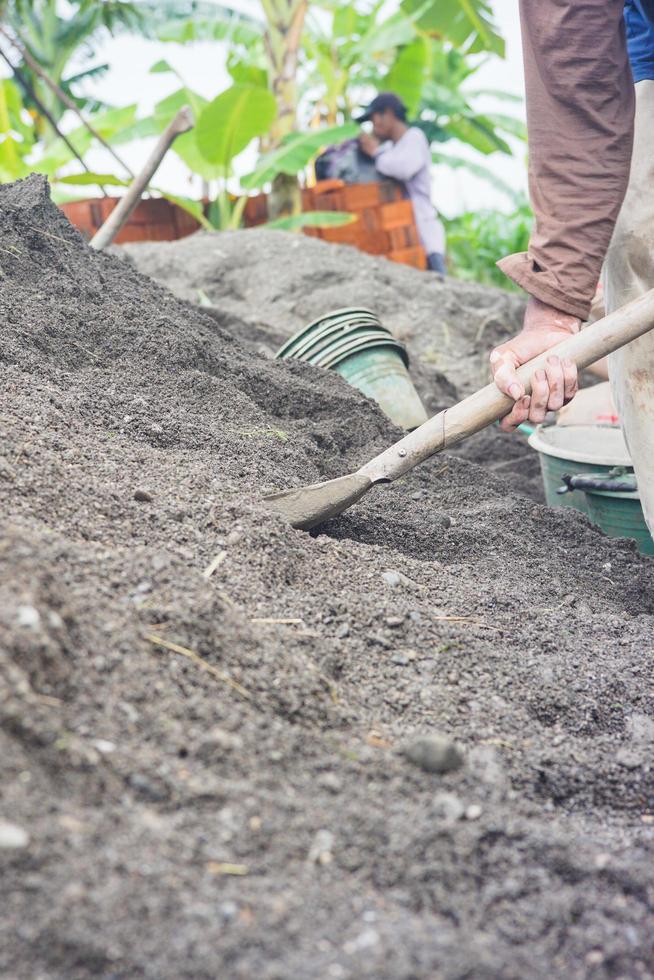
(285, 20)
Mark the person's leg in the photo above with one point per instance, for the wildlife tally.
(436, 262)
(629, 272)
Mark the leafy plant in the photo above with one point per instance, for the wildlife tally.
(60, 35)
(17, 135)
(297, 150)
(225, 127)
(466, 24)
(477, 239)
(320, 59)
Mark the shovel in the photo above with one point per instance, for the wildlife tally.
(307, 507)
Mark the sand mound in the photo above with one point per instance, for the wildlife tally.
(211, 770)
(264, 285)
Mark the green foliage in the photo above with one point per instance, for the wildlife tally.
(231, 121)
(427, 51)
(477, 239)
(409, 72)
(467, 24)
(16, 136)
(175, 20)
(295, 153)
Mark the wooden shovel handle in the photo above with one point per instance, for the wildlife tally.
(182, 122)
(490, 404)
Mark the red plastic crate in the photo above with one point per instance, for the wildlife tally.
(155, 219)
(256, 210)
(132, 233)
(185, 223)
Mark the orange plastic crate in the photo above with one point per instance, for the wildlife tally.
(396, 215)
(370, 218)
(325, 186)
(415, 257)
(355, 197)
(343, 235)
(332, 201)
(405, 237)
(390, 190)
(374, 242)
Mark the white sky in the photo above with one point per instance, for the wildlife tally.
(202, 67)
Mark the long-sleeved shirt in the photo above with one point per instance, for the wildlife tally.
(580, 107)
(409, 161)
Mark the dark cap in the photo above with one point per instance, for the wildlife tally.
(382, 102)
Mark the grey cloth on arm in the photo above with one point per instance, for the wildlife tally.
(580, 107)
(409, 160)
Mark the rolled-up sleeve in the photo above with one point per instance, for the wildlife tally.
(580, 107)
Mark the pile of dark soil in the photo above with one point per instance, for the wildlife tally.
(264, 285)
(215, 775)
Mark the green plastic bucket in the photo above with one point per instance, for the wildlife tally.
(354, 343)
(378, 370)
(620, 515)
(337, 318)
(596, 451)
(323, 349)
(576, 449)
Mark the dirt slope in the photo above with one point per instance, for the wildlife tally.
(264, 285)
(252, 814)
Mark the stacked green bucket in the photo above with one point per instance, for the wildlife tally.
(354, 343)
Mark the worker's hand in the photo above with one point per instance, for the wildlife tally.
(544, 327)
(369, 144)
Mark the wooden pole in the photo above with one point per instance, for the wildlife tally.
(182, 122)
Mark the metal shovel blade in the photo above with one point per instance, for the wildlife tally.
(306, 507)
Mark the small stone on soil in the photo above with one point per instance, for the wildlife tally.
(395, 579)
(219, 740)
(143, 496)
(12, 837)
(28, 617)
(628, 759)
(448, 807)
(330, 781)
(434, 753)
(103, 746)
(394, 621)
(322, 848)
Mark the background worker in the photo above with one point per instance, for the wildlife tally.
(402, 152)
(593, 201)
